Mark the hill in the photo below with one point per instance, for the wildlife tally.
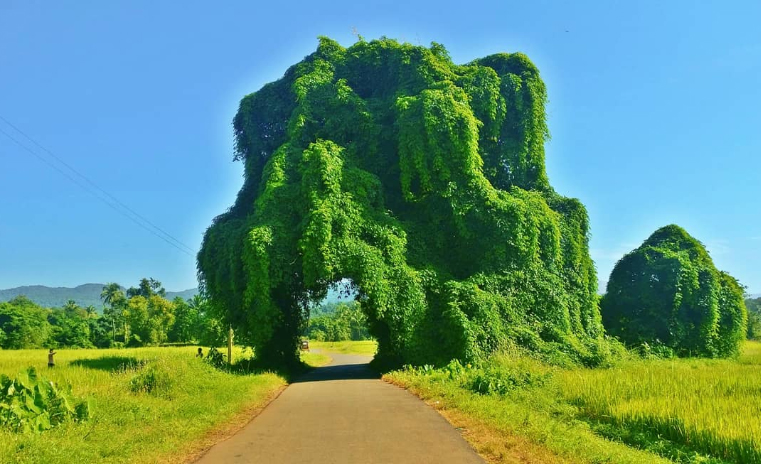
(84, 295)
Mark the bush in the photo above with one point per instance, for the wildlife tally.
(215, 358)
(30, 403)
(155, 379)
(489, 378)
(317, 335)
(134, 341)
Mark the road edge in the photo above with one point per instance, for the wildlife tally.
(230, 428)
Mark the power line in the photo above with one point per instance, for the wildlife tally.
(93, 192)
(116, 200)
(93, 189)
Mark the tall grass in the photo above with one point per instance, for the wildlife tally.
(709, 406)
(148, 405)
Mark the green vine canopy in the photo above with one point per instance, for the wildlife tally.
(668, 293)
(421, 181)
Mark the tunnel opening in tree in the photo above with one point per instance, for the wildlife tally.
(338, 317)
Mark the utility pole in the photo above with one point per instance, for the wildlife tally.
(230, 346)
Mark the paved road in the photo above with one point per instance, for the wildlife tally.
(343, 413)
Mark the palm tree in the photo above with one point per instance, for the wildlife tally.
(113, 296)
(71, 306)
(91, 312)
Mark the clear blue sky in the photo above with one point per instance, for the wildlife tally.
(654, 112)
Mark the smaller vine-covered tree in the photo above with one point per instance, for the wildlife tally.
(668, 292)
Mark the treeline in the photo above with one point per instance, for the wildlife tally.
(140, 316)
(335, 322)
(754, 317)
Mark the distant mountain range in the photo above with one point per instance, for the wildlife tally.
(84, 295)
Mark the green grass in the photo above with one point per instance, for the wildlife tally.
(366, 348)
(707, 406)
(640, 411)
(315, 359)
(167, 425)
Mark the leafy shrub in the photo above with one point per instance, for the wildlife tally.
(30, 403)
(215, 358)
(155, 379)
(317, 335)
(488, 378)
(654, 351)
(502, 380)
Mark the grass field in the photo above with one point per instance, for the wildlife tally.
(640, 411)
(315, 359)
(710, 407)
(367, 347)
(195, 405)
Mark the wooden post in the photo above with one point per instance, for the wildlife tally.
(230, 346)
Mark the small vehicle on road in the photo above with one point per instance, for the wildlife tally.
(304, 344)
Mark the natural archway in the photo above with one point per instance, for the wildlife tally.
(424, 183)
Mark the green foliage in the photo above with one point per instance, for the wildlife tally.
(30, 403)
(150, 318)
(487, 378)
(154, 379)
(668, 292)
(215, 358)
(334, 322)
(140, 320)
(754, 317)
(70, 326)
(24, 324)
(147, 288)
(424, 183)
(147, 314)
(115, 302)
(185, 321)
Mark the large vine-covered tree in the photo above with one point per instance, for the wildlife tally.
(421, 181)
(668, 292)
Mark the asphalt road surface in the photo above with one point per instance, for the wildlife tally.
(343, 413)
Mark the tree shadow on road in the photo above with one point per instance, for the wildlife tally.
(338, 372)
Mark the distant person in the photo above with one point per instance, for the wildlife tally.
(200, 353)
(51, 361)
